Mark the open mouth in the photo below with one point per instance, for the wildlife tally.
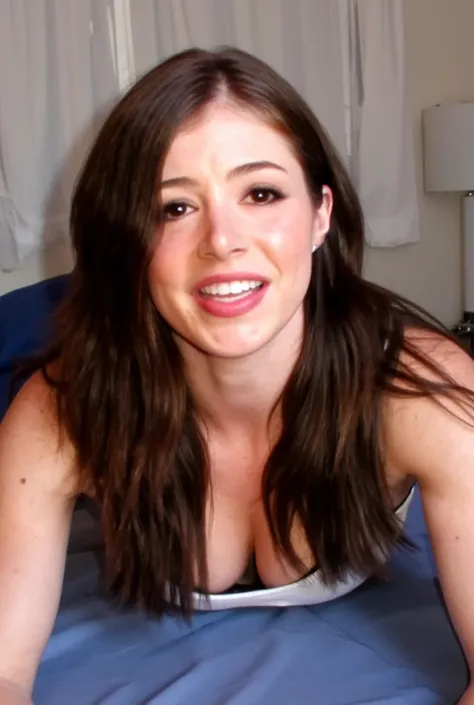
(233, 297)
(231, 291)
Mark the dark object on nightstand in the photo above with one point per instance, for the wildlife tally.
(464, 331)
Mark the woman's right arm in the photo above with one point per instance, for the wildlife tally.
(36, 491)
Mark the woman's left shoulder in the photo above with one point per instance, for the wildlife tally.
(440, 349)
(429, 431)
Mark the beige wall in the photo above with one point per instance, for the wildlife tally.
(439, 38)
(440, 59)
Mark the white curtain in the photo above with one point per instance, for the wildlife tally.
(63, 61)
(58, 71)
(299, 38)
(381, 140)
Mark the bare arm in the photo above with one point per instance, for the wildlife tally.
(36, 490)
(437, 447)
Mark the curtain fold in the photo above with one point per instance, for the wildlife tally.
(300, 39)
(382, 152)
(57, 74)
(63, 62)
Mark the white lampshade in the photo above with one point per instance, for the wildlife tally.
(448, 141)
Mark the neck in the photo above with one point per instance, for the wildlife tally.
(234, 395)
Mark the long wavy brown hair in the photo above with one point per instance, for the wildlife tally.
(122, 396)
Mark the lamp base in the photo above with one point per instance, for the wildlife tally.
(468, 318)
(464, 330)
(468, 256)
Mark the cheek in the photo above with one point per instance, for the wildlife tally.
(164, 269)
(156, 274)
(288, 236)
(163, 275)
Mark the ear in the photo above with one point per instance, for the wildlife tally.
(322, 218)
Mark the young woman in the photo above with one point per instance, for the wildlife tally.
(240, 403)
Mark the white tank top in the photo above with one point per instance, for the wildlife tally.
(308, 591)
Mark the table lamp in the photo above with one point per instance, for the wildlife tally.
(448, 147)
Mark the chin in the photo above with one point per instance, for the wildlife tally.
(242, 339)
(229, 346)
(234, 350)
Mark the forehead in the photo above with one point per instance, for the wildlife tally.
(230, 135)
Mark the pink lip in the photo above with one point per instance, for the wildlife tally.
(230, 309)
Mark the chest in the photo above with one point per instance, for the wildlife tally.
(238, 536)
(237, 530)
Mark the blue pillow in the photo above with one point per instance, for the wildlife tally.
(25, 325)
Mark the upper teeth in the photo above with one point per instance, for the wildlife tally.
(226, 288)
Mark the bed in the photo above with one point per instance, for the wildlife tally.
(388, 642)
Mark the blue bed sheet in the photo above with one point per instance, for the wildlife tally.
(388, 642)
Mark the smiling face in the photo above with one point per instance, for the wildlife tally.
(233, 261)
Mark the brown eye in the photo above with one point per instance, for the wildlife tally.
(260, 196)
(175, 210)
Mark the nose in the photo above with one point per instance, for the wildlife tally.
(222, 234)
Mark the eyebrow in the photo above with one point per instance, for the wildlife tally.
(247, 168)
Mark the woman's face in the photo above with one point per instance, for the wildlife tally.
(233, 262)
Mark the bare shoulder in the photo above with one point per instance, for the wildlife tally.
(426, 432)
(443, 352)
(31, 439)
